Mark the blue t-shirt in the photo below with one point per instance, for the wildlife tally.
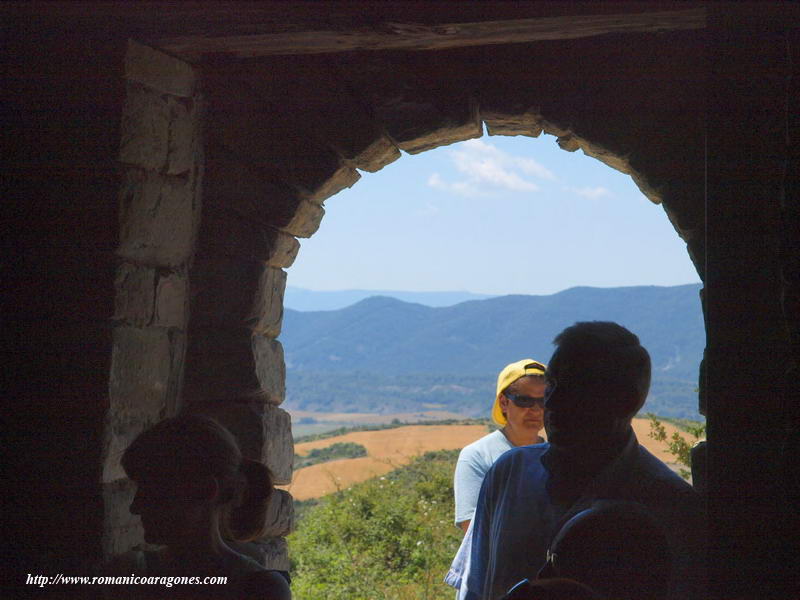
(473, 462)
(515, 519)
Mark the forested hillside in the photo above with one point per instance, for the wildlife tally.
(385, 355)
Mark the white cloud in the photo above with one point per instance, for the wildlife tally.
(462, 188)
(593, 193)
(429, 210)
(487, 168)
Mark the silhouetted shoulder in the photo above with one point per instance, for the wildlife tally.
(519, 456)
(265, 585)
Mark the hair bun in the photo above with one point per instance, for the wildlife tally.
(247, 520)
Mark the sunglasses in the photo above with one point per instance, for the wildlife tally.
(524, 401)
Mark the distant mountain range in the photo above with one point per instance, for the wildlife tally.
(386, 355)
(301, 299)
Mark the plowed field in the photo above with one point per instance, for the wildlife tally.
(388, 449)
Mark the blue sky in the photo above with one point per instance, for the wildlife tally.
(495, 215)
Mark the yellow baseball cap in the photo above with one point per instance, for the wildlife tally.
(512, 372)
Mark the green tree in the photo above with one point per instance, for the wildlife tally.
(332, 452)
(677, 445)
(389, 538)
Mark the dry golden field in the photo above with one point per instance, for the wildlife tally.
(388, 449)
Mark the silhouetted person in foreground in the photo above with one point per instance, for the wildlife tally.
(596, 381)
(193, 490)
(552, 589)
(616, 548)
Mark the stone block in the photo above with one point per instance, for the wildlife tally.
(270, 368)
(274, 553)
(267, 314)
(184, 140)
(220, 364)
(416, 116)
(159, 71)
(265, 135)
(145, 128)
(278, 453)
(507, 121)
(321, 102)
(254, 193)
(139, 385)
(417, 127)
(134, 299)
(225, 233)
(237, 293)
(343, 177)
(284, 250)
(568, 142)
(263, 432)
(121, 530)
(280, 514)
(158, 216)
(170, 301)
(306, 220)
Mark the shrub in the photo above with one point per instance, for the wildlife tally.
(391, 537)
(332, 452)
(677, 444)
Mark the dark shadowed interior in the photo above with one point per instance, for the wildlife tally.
(162, 160)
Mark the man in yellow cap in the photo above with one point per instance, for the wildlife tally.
(519, 410)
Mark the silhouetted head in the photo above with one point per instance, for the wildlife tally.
(189, 471)
(615, 548)
(597, 380)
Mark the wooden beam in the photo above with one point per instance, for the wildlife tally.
(411, 36)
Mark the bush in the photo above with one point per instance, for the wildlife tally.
(332, 452)
(677, 445)
(387, 538)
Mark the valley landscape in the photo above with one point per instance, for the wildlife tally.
(389, 449)
(383, 355)
(384, 393)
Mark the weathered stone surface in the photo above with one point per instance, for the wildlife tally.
(183, 143)
(259, 130)
(568, 142)
(134, 298)
(140, 380)
(267, 311)
(254, 193)
(220, 364)
(121, 530)
(158, 216)
(278, 453)
(322, 105)
(270, 368)
(274, 553)
(225, 233)
(284, 250)
(233, 292)
(145, 128)
(280, 514)
(306, 220)
(442, 125)
(171, 299)
(416, 116)
(263, 432)
(344, 177)
(159, 71)
(526, 123)
(377, 155)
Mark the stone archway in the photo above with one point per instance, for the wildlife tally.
(276, 145)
